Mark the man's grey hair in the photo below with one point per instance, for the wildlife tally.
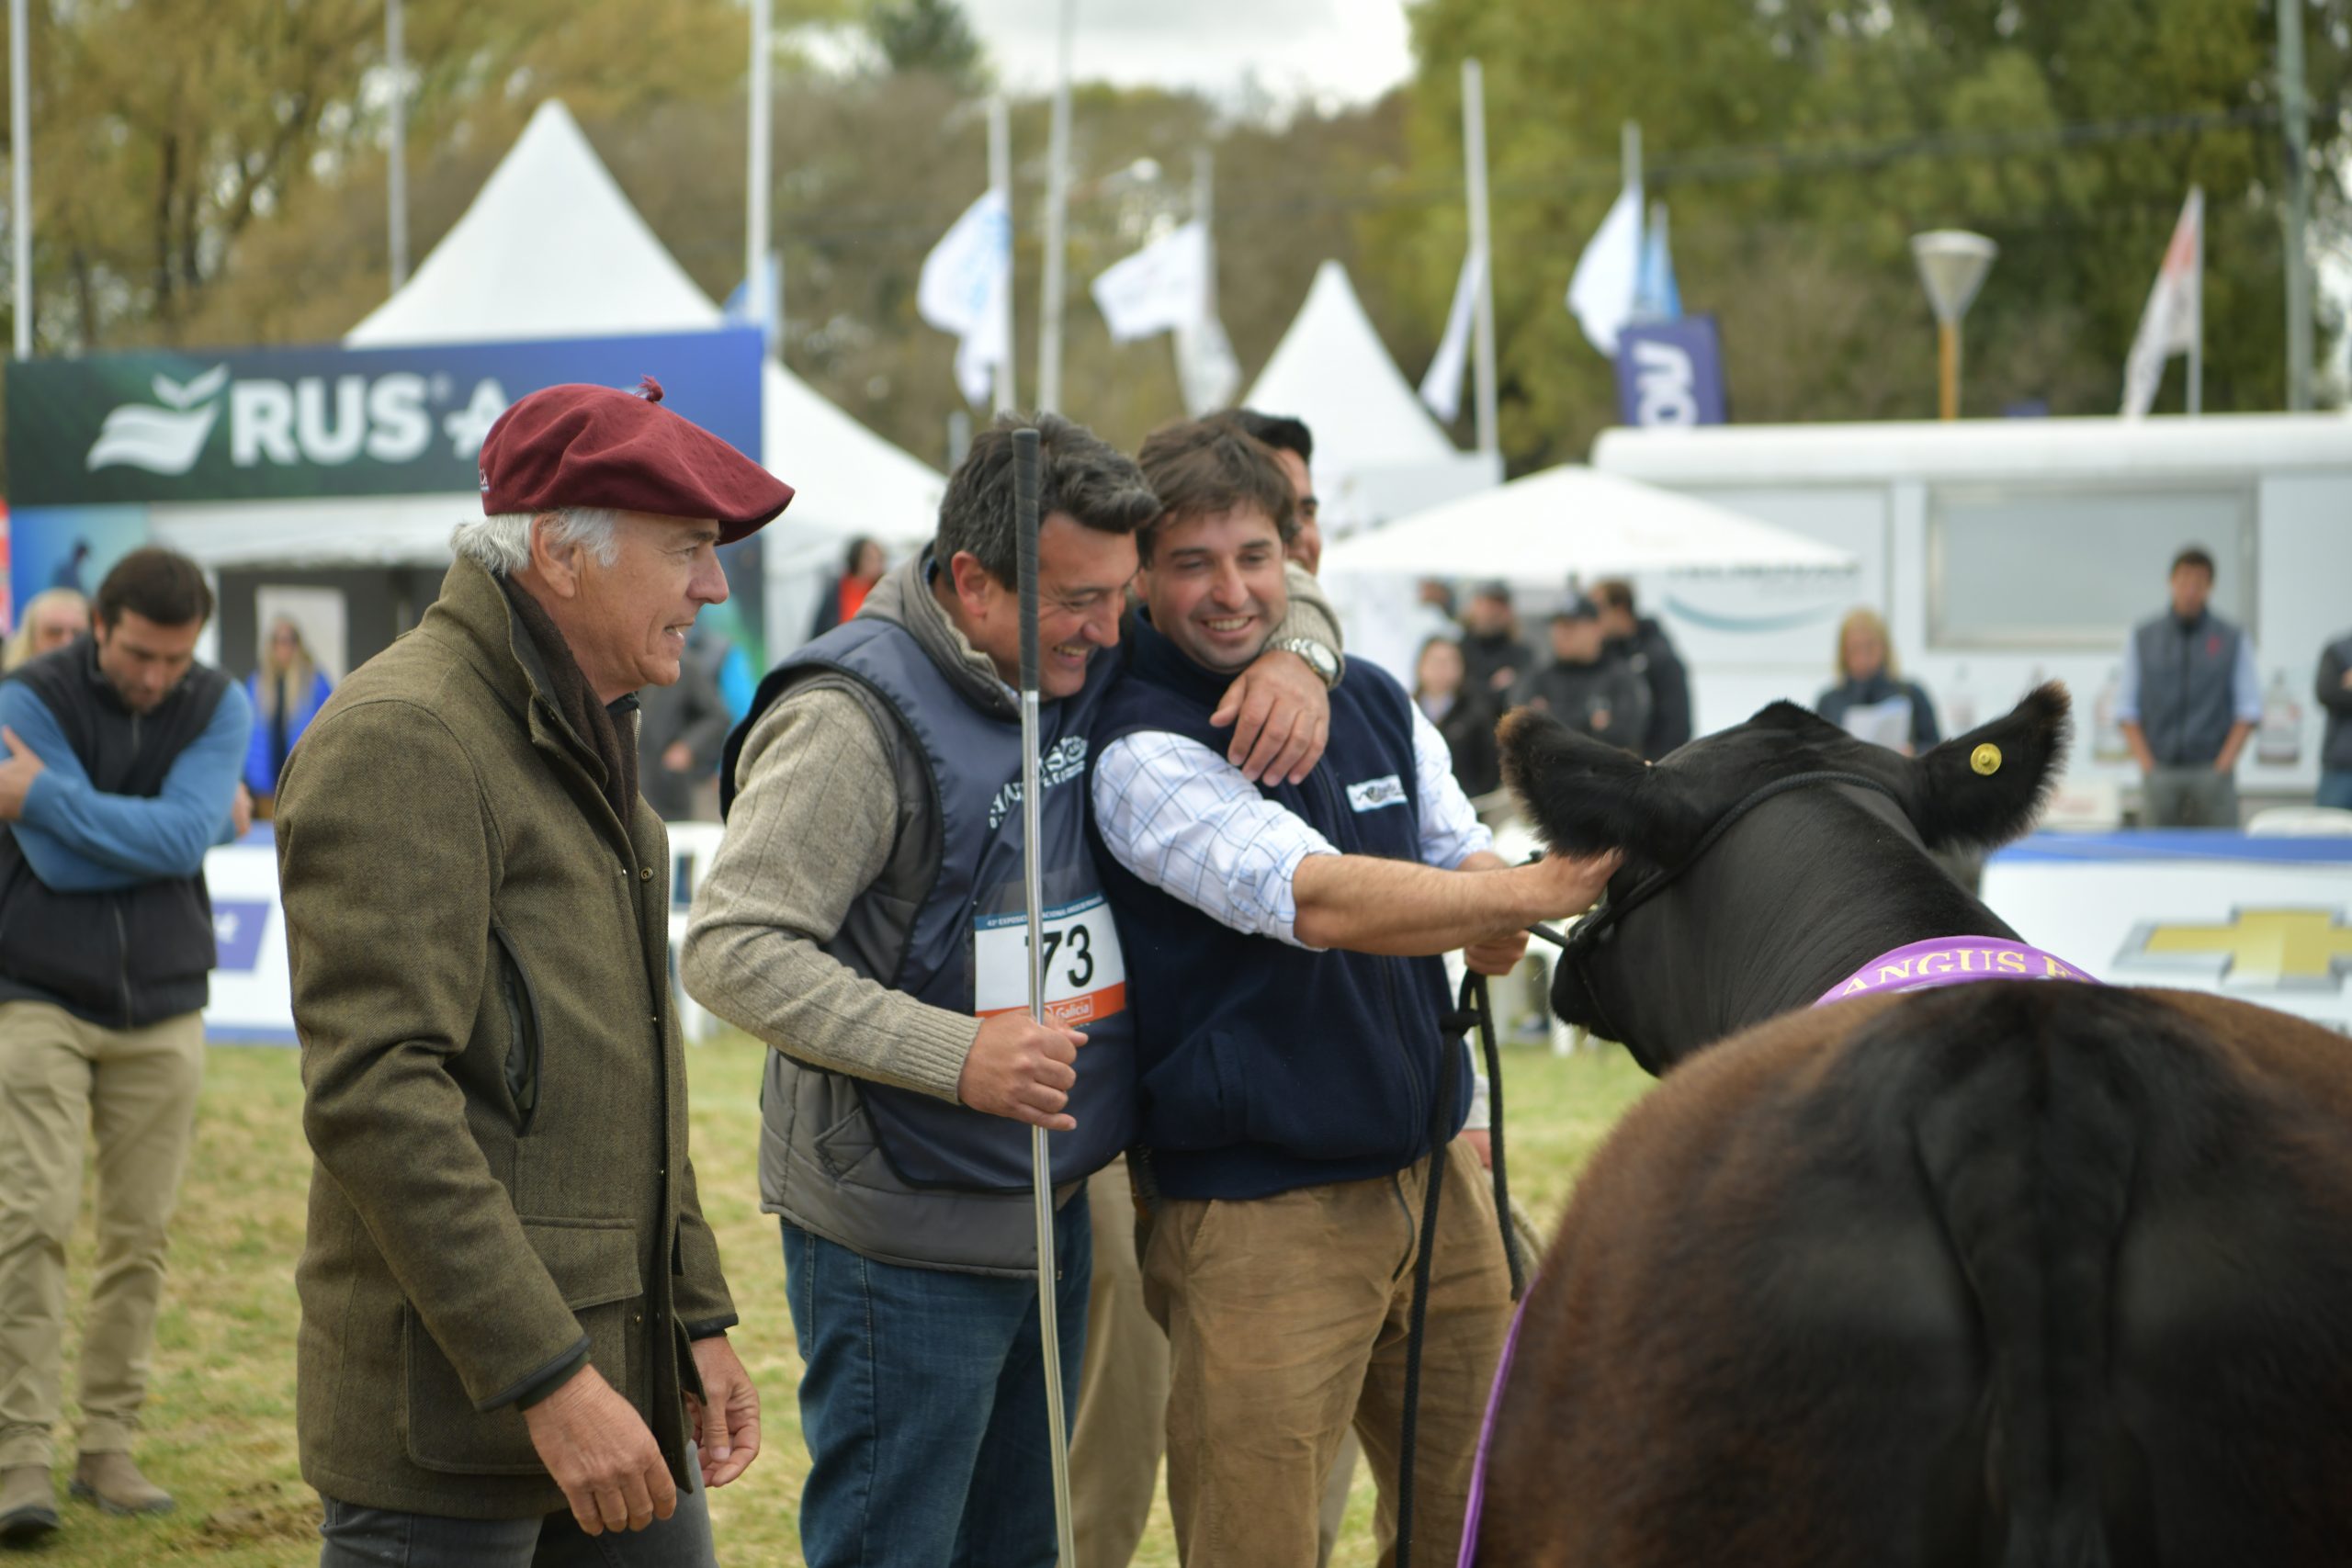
(502, 545)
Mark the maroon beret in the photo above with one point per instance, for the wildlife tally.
(576, 445)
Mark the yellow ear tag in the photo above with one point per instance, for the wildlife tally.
(1986, 758)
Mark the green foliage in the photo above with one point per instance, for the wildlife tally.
(927, 35)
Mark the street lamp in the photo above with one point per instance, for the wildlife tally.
(1952, 264)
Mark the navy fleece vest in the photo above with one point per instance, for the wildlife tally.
(1265, 1066)
(2185, 704)
(964, 948)
(136, 956)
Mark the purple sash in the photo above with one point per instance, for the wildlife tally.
(1951, 960)
(1487, 1431)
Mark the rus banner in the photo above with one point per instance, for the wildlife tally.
(241, 425)
(1671, 373)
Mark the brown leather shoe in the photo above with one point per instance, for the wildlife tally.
(113, 1483)
(28, 1503)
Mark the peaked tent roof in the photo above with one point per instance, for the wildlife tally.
(552, 248)
(1378, 454)
(1573, 520)
(1331, 370)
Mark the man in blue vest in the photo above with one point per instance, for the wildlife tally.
(1296, 1072)
(121, 771)
(2190, 696)
(864, 916)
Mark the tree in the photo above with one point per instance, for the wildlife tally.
(927, 35)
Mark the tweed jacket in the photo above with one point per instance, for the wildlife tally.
(494, 1086)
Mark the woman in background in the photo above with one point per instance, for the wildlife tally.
(288, 692)
(862, 567)
(1465, 718)
(1871, 701)
(53, 617)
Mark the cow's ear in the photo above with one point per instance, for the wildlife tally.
(1586, 795)
(1987, 787)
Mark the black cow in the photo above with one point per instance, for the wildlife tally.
(2015, 1274)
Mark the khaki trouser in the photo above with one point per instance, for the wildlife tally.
(1121, 1428)
(136, 1090)
(1287, 1320)
(1122, 1422)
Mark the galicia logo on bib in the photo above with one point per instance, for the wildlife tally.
(1374, 793)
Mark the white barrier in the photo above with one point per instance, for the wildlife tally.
(252, 1002)
(2261, 919)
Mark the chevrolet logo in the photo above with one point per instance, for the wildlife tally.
(2271, 950)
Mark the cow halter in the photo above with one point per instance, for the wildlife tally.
(1597, 926)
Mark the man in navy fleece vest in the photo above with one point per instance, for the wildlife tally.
(1296, 1072)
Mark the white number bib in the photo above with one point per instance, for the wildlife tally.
(1086, 974)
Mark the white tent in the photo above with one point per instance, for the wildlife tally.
(1572, 520)
(552, 248)
(1378, 454)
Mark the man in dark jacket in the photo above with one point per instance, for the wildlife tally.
(680, 731)
(1639, 643)
(1583, 687)
(122, 761)
(514, 1320)
(1297, 1073)
(2191, 697)
(1498, 658)
(2334, 690)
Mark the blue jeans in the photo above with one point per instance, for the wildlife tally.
(358, 1537)
(2335, 789)
(923, 1405)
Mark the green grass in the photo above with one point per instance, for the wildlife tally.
(220, 1421)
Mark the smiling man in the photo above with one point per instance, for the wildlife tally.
(864, 917)
(1295, 1074)
(513, 1322)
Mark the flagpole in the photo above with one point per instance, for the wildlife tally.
(2197, 342)
(1204, 208)
(20, 173)
(396, 170)
(1000, 182)
(756, 180)
(1474, 153)
(1049, 313)
(2294, 114)
(1629, 152)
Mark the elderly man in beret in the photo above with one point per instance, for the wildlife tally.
(513, 1322)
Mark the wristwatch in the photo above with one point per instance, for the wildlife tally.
(1319, 659)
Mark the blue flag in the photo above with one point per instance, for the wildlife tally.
(1655, 295)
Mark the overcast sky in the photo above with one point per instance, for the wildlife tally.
(1349, 49)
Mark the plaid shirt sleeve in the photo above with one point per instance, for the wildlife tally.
(1451, 831)
(1182, 818)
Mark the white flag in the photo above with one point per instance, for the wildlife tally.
(1441, 387)
(2174, 320)
(1608, 274)
(962, 291)
(1162, 288)
(1205, 367)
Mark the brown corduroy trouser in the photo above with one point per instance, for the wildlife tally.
(61, 1079)
(1287, 1320)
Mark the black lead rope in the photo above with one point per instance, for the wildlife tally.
(1472, 1007)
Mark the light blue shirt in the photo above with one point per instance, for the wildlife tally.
(2246, 683)
(78, 839)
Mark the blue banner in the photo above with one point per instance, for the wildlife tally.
(1670, 373)
(251, 423)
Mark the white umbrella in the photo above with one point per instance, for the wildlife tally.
(1573, 520)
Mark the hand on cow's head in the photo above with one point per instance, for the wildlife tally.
(1977, 789)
